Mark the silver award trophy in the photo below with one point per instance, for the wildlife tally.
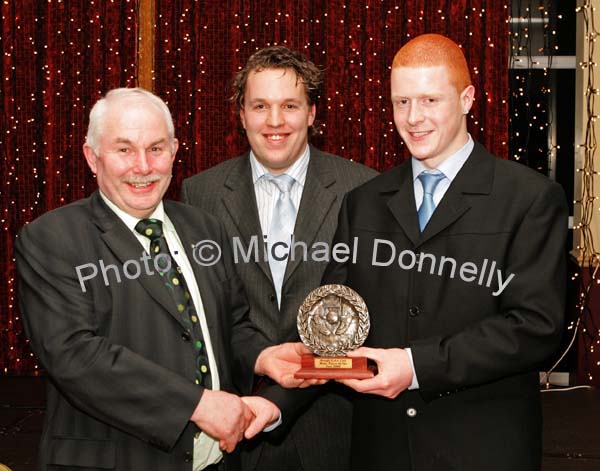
(332, 320)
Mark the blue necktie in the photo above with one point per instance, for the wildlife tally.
(429, 179)
(282, 226)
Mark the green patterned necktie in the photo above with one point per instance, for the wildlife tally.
(174, 281)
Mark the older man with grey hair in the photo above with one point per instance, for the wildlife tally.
(143, 347)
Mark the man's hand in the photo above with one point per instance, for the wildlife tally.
(280, 362)
(265, 413)
(223, 416)
(394, 372)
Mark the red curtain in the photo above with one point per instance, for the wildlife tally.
(201, 44)
(57, 58)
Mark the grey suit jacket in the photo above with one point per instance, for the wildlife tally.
(120, 361)
(321, 434)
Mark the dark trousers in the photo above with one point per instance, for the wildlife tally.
(279, 457)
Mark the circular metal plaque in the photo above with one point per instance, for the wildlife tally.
(332, 320)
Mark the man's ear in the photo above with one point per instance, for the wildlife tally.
(242, 117)
(466, 98)
(312, 114)
(90, 157)
(175, 147)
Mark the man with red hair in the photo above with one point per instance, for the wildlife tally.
(461, 263)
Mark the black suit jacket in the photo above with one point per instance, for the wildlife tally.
(321, 434)
(475, 353)
(120, 362)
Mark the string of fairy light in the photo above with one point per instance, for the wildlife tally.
(530, 113)
(59, 56)
(530, 116)
(589, 257)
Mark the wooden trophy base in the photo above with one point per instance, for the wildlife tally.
(315, 367)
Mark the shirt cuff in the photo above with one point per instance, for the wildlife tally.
(274, 425)
(415, 381)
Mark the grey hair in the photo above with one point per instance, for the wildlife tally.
(98, 113)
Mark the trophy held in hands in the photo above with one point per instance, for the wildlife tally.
(332, 320)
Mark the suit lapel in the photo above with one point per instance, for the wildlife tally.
(317, 200)
(475, 177)
(402, 204)
(451, 207)
(189, 235)
(117, 236)
(241, 204)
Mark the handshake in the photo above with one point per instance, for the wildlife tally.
(230, 418)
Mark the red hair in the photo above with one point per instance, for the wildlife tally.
(430, 50)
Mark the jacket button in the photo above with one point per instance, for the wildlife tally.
(272, 298)
(188, 457)
(411, 412)
(414, 311)
(186, 336)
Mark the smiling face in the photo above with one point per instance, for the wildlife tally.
(276, 116)
(135, 156)
(429, 112)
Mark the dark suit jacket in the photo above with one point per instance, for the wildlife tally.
(321, 434)
(120, 363)
(475, 354)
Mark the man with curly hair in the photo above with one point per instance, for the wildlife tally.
(283, 186)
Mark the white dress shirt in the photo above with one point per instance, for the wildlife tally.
(206, 449)
(450, 168)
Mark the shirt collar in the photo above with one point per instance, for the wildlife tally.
(131, 221)
(451, 165)
(297, 171)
